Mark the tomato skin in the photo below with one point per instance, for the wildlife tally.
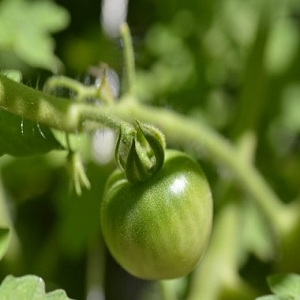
(159, 229)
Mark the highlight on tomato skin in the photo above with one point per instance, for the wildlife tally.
(160, 228)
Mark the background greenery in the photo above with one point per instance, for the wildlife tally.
(233, 64)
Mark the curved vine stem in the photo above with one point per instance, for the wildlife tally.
(81, 92)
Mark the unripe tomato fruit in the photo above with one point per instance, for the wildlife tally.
(159, 229)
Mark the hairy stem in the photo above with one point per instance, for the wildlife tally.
(59, 113)
(32, 104)
(81, 91)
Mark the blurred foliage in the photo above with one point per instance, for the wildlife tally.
(234, 64)
(25, 28)
(284, 286)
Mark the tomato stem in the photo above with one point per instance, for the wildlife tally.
(80, 91)
(128, 59)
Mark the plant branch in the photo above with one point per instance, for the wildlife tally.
(81, 91)
(68, 116)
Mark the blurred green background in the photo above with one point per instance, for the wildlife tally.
(233, 64)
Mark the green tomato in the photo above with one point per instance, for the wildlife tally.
(159, 229)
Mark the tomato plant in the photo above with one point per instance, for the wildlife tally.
(159, 229)
(217, 80)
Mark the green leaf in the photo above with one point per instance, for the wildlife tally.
(4, 240)
(32, 43)
(20, 137)
(285, 285)
(29, 287)
(57, 295)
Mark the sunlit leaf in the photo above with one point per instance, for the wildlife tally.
(57, 295)
(25, 28)
(29, 287)
(20, 137)
(285, 285)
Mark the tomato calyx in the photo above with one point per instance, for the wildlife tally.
(141, 153)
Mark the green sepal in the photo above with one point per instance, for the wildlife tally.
(157, 143)
(123, 146)
(135, 170)
(141, 154)
(118, 156)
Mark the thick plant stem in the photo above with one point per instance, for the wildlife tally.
(59, 113)
(32, 104)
